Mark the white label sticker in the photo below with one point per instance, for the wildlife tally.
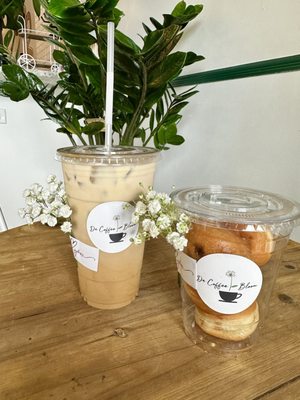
(187, 268)
(85, 254)
(228, 283)
(109, 226)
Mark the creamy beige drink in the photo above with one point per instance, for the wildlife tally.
(99, 189)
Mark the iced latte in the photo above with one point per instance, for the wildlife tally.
(100, 187)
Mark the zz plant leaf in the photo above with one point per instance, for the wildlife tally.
(146, 108)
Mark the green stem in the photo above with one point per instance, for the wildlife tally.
(3, 11)
(91, 140)
(131, 127)
(71, 139)
(98, 139)
(82, 76)
(44, 104)
(156, 129)
(82, 140)
(1, 31)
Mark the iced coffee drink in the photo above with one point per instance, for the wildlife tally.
(100, 188)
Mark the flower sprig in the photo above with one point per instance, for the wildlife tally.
(157, 215)
(47, 205)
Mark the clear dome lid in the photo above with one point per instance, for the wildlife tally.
(237, 205)
(97, 155)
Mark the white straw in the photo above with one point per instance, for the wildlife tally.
(109, 85)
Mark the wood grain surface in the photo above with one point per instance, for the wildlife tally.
(54, 346)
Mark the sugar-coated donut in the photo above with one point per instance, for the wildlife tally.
(204, 240)
(261, 245)
(232, 327)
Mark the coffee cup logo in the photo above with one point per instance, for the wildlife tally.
(110, 228)
(117, 237)
(229, 297)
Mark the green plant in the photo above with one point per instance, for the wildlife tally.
(146, 105)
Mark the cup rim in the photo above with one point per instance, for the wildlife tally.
(101, 155)
(240, 205)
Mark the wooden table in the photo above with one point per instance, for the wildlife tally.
(54, 346)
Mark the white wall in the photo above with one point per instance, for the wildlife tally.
(243, 132)
(27, 153)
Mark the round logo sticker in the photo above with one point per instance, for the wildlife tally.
(109, 226)
(228, 283)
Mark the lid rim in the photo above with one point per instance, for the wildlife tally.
(233, 204)
(129, 150)
(118, 155)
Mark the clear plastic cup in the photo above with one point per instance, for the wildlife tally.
(230, 263)
(100, 187)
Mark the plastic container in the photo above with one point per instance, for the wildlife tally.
(100, 187)
(230, 264)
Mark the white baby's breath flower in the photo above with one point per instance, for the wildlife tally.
(172, 236)
(54, 212)
(36, 210)
(182, 227)
(135, 219)
(180, 243)
(51, 179)
(154, 206)
(151, 195)
(26, 193)
(139, 239)
(165, 199)
(46, 194)
(30, 200)
(56, 203)
(47, 204)
(66, 227)
(21, 212)
(28, 219)
(61, 193)
(177, 241)
(39, 198)
(51, 221)
(184, 218)
(140, 208)
(44, 219)
(146, 224)
(163, 222)
(157, 215)
(53, 187)
(36, 188)
(154, 231)
(28, 210)
(65, 211)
